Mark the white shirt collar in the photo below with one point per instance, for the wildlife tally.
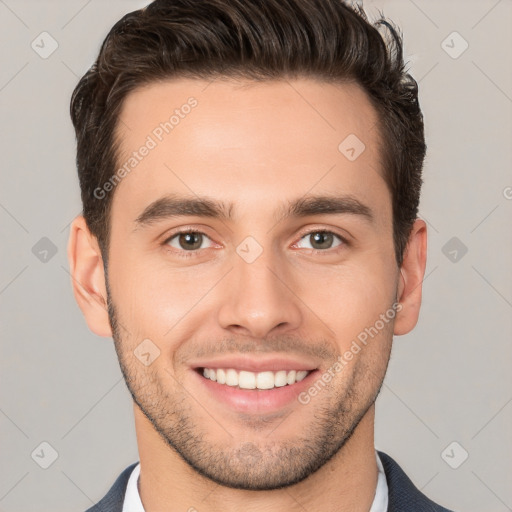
(380, 502)
(132, 502)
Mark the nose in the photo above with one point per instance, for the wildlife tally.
(259, 298)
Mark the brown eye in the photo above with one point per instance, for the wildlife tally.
(321, 240)
(190, 241)
(187, 241)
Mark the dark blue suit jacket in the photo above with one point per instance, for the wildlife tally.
(403, 496)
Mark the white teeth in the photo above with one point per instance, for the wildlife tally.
(265, 380)
(280, 379)
(210, 374)
(246, 380)
(231, 378)
(251, 380)
(290, 379)
(301, 375)
(221, 376)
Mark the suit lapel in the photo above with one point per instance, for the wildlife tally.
(113, 500)
(402, 493)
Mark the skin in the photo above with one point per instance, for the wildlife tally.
(256, 145)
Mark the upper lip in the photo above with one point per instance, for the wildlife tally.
(246, 363)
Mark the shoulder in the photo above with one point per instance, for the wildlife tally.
(113, 500)
(403, 495)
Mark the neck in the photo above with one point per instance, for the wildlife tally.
(347, 482)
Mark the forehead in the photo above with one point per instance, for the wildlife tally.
(251, 143)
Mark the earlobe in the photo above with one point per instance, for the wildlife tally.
(88, 277)
(411, 277)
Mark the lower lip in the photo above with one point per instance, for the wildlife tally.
(256, 400)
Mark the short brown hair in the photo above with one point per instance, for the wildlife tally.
(258, 40)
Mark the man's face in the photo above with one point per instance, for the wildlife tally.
(258, 283)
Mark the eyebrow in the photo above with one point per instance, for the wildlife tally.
(172, 206)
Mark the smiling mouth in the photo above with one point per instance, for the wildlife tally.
(253, 381)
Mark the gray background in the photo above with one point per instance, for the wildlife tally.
(449, 380)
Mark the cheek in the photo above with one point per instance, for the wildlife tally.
(156, 301)
(350, 298)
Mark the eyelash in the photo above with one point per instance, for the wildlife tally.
(194, 253)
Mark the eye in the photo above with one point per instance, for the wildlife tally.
(188, 240)
(320, 240)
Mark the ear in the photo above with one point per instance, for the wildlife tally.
(410, 282)
(88, 277)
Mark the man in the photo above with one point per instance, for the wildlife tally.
(250, 176)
